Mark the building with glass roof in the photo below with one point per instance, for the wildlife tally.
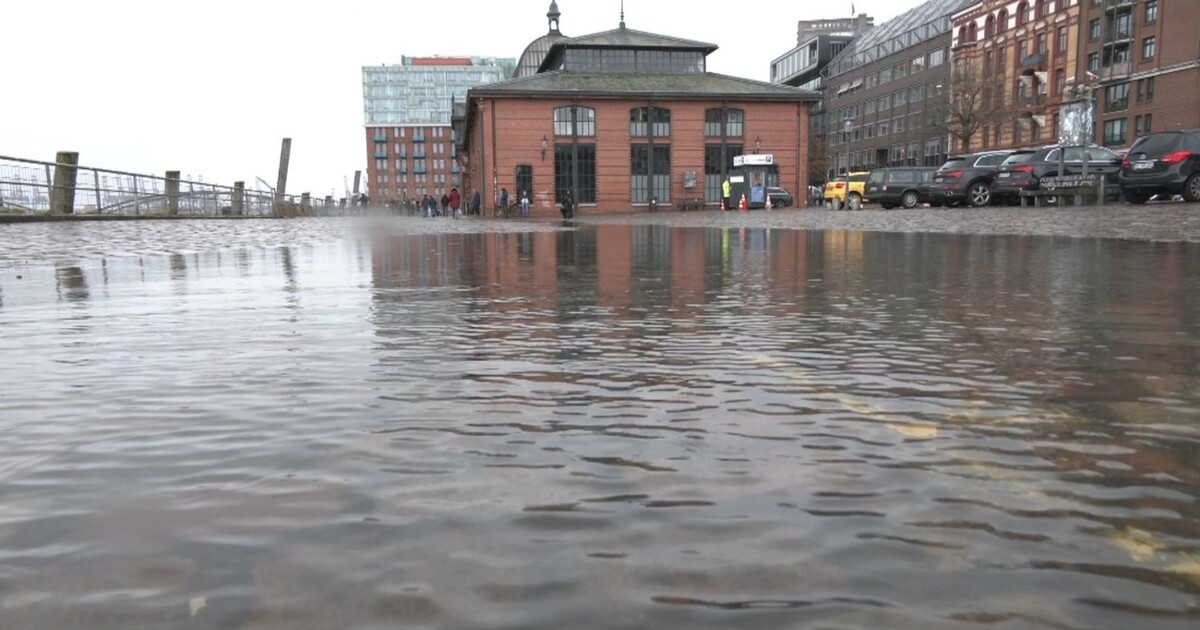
(622, 119)
(886, 92)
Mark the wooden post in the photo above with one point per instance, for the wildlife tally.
(62, 195)
(173, 193)
(285, 156)
(239, 198)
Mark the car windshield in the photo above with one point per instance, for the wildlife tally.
(1019, 158)
(991, 160)
(1158, 144)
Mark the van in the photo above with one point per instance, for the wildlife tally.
(899, 186)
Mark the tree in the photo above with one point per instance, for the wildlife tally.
(975, 101)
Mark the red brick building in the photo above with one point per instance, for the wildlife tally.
(1146, 54)
(1023, 56)
(624, 116)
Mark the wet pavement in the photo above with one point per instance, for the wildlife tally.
(682, 420)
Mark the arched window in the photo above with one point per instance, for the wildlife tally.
(580, 123)
(1002, 21)
(650, 119)
(1043, 8)
(972, 33)
(1023, 14)
(734, 122)
(962, 35)
(989, 27)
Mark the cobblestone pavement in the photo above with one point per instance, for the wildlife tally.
(1152, 222)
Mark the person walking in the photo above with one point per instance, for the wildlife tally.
(725, 190)
(445, 204)
(525, 204)
(476, 199)
(568, 205)
(455, 202)
(504, 200)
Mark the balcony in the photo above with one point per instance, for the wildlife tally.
(1116, 105)
(1036, 61)
(1033, 101)
(419, 154)
(381, 154)
(1115, 71)
(455, 170)
(1113, 5)
(420, 137)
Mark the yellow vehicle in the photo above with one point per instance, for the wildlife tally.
(846, 190)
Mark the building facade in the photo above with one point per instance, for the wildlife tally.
(886, 93)
(818, 42)
(622, 117)
(1012, 63)
(407, 110)
(1146, 57)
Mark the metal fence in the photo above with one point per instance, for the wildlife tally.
(29, 187)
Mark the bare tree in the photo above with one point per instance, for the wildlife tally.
(974, 102)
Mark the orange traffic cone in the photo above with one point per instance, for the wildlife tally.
(769, 203)
(743, 206)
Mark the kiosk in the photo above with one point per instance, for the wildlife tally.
(751, 176)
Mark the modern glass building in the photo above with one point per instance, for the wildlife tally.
(407, 110)
(421, 90)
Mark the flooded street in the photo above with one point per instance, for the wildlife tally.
(619, 424)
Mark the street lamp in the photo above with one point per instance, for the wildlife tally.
(545, 143)
(849, 145)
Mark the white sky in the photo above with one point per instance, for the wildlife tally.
(210, 88)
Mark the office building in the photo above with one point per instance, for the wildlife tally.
(407, 110)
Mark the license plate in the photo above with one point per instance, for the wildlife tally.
(1004, 175)
(1144, 165)
(937, 179)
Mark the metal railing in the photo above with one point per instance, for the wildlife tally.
(29, 187)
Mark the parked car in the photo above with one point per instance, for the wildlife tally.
(846, 190)
(1028, 169)
(967, 179)
(899, 186)
(780, 197)
(1166, 163)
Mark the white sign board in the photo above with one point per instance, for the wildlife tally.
(1075, 124)
(753, 160)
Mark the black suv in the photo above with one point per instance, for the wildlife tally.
(967, 178)
(901, 186)
(1025, 169)
(1166, 163)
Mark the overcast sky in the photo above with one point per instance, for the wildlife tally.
(210, 88)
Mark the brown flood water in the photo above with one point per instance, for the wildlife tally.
(619, 426)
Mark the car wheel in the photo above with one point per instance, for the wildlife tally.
(1191, 189)
(1137, 198)
(854, 201)
(910, 200)
(979, 195)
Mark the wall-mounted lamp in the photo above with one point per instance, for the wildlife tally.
(545, 143)
(757, 144)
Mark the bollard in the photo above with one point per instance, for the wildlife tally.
(239, 198)
(305, 204)
(62, 195)
(172, 193)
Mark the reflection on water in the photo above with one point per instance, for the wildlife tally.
(621, 426)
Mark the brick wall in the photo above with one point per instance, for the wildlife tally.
(521, 123)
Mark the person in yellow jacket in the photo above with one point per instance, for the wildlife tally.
(725, 187)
